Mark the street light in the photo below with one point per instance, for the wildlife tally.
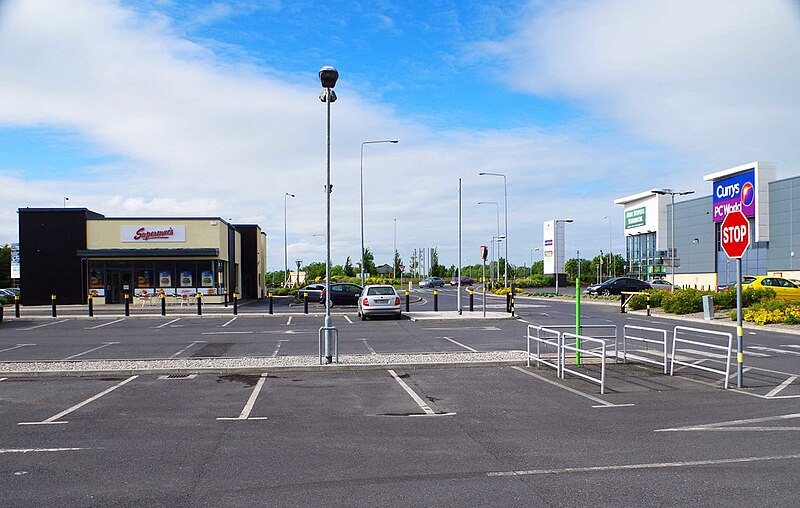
(65, 201)
(505, 218)
(672, 193)
(556, 253)
(285, 248)
(327, 77)
(394, 254)
(362, 197)
(498, 233)
(610, 260)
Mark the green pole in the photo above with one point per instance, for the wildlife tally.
(577, 321)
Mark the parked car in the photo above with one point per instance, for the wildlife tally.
(660, 284)
(431, 282)
(343, 293)
(617, 285)
(784, 288)
(314, 292)
(379, 299)
(465, 281)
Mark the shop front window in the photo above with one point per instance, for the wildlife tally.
(144, 278)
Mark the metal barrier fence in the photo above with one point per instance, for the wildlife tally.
(335, 332)
(554, 341)
(596, 333)
(628, 333)
(564, 346)
(727, 349)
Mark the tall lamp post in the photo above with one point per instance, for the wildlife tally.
(610, 259)
(565, 221)
(394, 254)
(535, 249)
(285, 248)
(498, 233)
(505, 218)
(671, 244)
(362, 197)
(328, 77)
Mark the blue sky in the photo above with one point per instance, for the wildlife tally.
(166, 107)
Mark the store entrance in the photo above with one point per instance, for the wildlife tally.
(119, 283)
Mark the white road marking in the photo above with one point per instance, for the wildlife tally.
(421, 403)
(167, 323)
(603, 403)
(289, 321)
(39, 450)
(16, 347)
(460, 344)
(228, 333)
(348, 319)
(773, 350)
(3, 379)
(54, 419)
(104, 324)
(275, 353)
(231, 321)
(486, 328)
(731, 425)
(248, 407)
(187, 347)
(721, 356)
(105, 344)
(656, 465)
(366, 345)
(790, 345)
(41, 326)
(778, 389)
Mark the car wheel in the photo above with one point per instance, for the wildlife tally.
(605, 292)
(399, 316)
(363, 317)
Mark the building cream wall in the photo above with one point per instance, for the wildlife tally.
(200, 233)
(262, 263)
(707, 281)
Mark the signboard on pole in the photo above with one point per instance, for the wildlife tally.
(15, 271)
(735, 234)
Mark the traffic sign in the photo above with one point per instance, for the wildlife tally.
(484, 252)
(735, 234)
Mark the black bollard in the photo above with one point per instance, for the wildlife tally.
(270, 302)
(435, 301)
(226, 297)
(53, 305)
(471, 300)
(199, 304)
(235, 304)
(16, 305)
(127, 304)
(163, 304)
(512, 298)
(408, 303)
(305, 303)
(508, 302)
(1, 313)
(91, 306)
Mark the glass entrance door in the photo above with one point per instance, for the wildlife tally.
(119, 284)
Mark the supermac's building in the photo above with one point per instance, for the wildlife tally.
(75, 252)
(772, 207)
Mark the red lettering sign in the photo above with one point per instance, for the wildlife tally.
(143, 234)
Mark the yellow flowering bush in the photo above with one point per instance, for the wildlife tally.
(772, 312)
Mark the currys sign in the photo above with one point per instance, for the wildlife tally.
(736, 193)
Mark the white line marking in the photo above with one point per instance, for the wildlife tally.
(248, 407)
(3, 379)
(603, 403)
(231, 321)
(15, 347)
(278, 347)
(187, 347)
(38, 450)
(460, 344)
(104, 324)
(348, 319)
(41, 326)
(227, 333)
(289, 321)
(773, 350)
(167, 323)
(421, 403)
(105, 344)
(656, 465)
(791, 345)
(79, 405)
(729, 424)
(778, 389)
(366, 345)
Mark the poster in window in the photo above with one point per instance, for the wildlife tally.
(96, 279)
(186, 279)
(207, 278)
(165, 278)
(144, 278)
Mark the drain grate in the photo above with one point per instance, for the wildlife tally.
(178, 376)
(213, 350)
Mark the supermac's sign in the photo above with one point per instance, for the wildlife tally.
(153, 234)
(735, 193)
(635, 217)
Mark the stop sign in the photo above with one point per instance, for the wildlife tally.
(735, 234)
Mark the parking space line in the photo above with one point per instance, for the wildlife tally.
(773, 350)
(16, 347)
(778, 389)
(460, 344)
(603, 403)
(41, 326)
(231, 321)
(187, 347)
(105, 344)
(167, 323)
(278, 347)
(39, 450)
(228, 332)
(731, 425)
(421, 403)
(348, 319)
(248, 407)
(54, 419)
(366, 345)
(3, 379)
(104, 324)
(289, 321)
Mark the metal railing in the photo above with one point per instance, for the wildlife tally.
(727, 349)
(592, 352)
(629, 332)
(335, 332)
(596, 333)
(553, 342)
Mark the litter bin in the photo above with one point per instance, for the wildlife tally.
(708, 307)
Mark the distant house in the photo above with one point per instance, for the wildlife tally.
(383, 270)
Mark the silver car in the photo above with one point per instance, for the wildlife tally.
(660, 284)
(379, 300)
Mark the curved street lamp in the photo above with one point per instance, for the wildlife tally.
(285, 249)
(394, 141)
(505, 218)
(672, 193)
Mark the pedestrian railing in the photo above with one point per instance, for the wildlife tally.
(725, 348)
(646, 336)
(566, 341)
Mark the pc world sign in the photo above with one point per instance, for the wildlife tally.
(735, 234)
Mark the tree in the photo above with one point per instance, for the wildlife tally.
(437, 270)
(5, 266)
(397, 263)
(369, 262)
(349, 271)
(315, 270)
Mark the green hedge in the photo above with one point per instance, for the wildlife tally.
(688, 301)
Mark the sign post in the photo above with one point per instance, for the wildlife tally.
(484, 255)
(735, 238)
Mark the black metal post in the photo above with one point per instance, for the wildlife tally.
(53, 305)
(16, 305)
(235, 304)
(408, 302)
(91, 306)
(127, 304)
(305, 303)
(199, 304)
(471, 300)
(226, 297)
(435, 301)
(1, 313)
(512, 298)
(163, 304)
(508, 302)
(270, 303)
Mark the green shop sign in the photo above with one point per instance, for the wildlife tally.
(634, 218)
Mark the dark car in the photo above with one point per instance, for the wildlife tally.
(465, 281)
(314, 292)
(344, 293)
(617, 285)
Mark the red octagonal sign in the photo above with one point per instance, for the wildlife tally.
(735, 234)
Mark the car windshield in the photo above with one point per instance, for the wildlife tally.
(384, 291)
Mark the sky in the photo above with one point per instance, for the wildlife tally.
(168, 108)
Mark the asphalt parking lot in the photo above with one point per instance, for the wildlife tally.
(448, 436)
